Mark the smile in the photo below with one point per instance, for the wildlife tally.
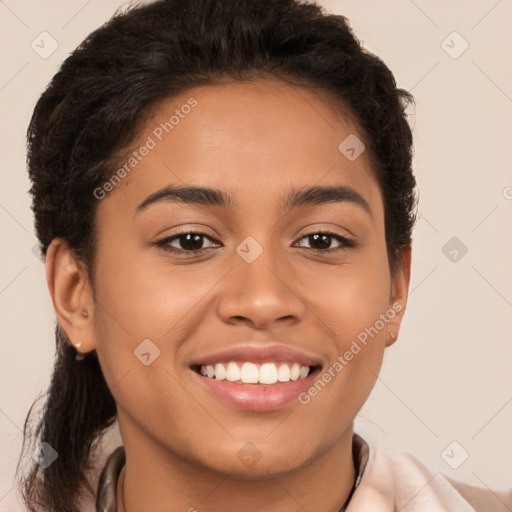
(252, 373)
(255, 387)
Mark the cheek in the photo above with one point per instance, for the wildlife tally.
(350, 297)
(139, 369)
(144, 308)
(144, 296)
(351, 301)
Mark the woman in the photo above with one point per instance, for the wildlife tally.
(224, 197)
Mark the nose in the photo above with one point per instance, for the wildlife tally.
(262, 294)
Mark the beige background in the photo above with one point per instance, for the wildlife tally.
(449, 376)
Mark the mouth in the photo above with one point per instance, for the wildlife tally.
(252, 373)
(255, 387)
(256, 377)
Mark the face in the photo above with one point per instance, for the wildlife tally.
(290, 288)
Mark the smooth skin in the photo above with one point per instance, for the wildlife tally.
(256, 141)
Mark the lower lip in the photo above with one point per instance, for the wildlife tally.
(257, 397)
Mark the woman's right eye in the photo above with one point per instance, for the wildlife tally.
(188, 242)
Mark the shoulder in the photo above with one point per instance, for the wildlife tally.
(395, 478)
(483, 499)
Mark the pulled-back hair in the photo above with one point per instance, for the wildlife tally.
(92, 111)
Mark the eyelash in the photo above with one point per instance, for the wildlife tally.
(164, 243)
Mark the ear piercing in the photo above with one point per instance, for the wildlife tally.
(78, 356)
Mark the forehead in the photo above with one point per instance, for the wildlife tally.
(253, 140)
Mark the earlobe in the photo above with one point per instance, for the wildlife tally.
(71, 295)
(398, 295)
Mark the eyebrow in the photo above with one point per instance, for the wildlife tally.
(206, 196)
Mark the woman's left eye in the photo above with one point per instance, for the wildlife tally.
(192, 242)
(324, 238)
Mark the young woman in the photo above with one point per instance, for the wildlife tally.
(224, 197)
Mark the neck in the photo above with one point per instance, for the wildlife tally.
(321, 485)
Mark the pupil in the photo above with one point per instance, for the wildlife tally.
(189, 242)
(325, 240)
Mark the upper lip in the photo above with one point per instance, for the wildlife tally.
(259, 354)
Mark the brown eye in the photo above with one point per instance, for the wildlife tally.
(190, 242)
(322, 240)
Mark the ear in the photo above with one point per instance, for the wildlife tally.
(398, 294)
(71, 294)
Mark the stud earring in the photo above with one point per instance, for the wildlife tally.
(78, 355)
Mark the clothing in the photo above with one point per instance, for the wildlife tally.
(106, 496)
(388, 480)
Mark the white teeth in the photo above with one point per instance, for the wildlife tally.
(283, 374)
(233, 372)
(268, 373)
(304, 371)
(295, 372)
(251, 373)
(220, 372)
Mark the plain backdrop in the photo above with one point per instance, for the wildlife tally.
(445, 389)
